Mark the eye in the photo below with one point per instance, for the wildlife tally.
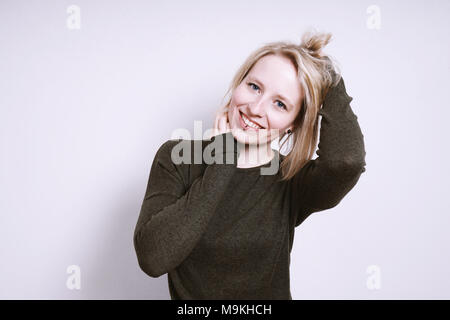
(254, 85)
(282, 105)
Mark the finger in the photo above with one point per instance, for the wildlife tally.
(223, 123)
(216, 124)
(216, 121)
(228, 126)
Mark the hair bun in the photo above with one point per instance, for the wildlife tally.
(313, 42)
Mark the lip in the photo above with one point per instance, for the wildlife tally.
(243, 125)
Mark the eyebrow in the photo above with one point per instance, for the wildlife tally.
(278, 95)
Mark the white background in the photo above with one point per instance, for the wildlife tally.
(84, 111)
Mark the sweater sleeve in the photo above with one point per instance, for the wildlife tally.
(323, 182)
(173, 219)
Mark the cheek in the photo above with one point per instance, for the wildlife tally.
(231, 113)
(277, 120)
(238, 99)
(241, 97)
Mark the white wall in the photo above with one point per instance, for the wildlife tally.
(83, 112)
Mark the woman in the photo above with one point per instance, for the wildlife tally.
(225, 231)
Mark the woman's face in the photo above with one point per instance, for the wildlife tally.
(269, 97)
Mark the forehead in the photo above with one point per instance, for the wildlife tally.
(278, 75)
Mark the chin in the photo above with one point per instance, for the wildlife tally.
(250, 137)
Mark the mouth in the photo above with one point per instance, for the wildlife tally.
(247, 124)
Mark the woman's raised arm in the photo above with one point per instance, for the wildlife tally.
(323, 182)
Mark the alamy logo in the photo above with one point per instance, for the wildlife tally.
(221, 149)
(73, 282)
(374, 19)
(74, 19)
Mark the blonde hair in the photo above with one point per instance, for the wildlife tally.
(316, 73)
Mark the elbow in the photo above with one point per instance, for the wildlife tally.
(355, 168)
(343, 177)
(149, 268)
(147, 257)
(348, 169)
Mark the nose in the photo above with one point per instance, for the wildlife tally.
(257, 108)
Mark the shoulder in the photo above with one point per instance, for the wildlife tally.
(165, 149)
(182, 151)
(182, 158)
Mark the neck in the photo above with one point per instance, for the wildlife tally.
(255, 155)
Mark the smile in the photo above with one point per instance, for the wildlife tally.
(250, 123)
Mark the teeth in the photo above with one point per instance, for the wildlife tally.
(249, 123)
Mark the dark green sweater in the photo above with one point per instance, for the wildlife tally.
(222, 232)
